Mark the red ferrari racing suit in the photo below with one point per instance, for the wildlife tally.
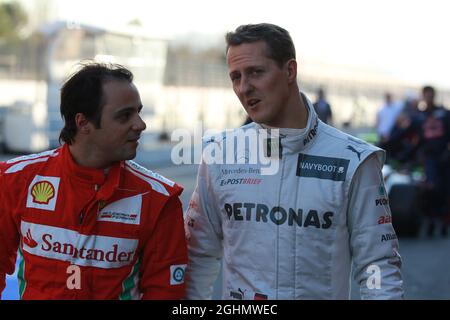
(84, 233)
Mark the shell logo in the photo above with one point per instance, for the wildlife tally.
(42, 192)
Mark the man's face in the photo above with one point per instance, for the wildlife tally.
(259, 83)
(428, 97)
(120, 124)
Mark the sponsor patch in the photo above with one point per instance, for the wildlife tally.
(250, 181)
(177, 274)
(259, 212)
(78, 249)
(388, 237)
(238, 295)
(322, 167)
(126, 210)
(260, 296)
(384, 219)
(43, 193)
(241, 171)
(28, 240)
(358, 153)
(381, 202)
(311, 134)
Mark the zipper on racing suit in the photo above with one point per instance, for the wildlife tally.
(80, 226)
(280, 157)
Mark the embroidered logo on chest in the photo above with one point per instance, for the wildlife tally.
(126, 210)
(43, 193)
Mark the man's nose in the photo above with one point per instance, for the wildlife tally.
(139, 125)
(245, 86)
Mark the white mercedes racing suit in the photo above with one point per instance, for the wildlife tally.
(293, 235)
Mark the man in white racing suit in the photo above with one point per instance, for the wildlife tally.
(292, 233)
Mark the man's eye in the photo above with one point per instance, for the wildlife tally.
(234, 78)
(125, 116)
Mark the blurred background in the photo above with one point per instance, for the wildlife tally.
(357, 52)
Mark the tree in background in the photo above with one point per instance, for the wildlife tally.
(12, 19)
(13, 43)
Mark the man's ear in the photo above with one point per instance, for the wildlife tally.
(291, 70)
(82, 123)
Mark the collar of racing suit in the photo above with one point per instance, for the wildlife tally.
(296, 140)
(105, 183)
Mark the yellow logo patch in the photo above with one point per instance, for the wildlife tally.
(42, 192)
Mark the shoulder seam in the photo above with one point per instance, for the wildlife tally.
(154, 184)
(368, 145)
(22, 164)
(49, 153)
(149, 173)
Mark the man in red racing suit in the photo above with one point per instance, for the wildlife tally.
(91, 233)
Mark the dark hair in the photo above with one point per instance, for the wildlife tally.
(428, 89)
(83, 93)
(280, 46)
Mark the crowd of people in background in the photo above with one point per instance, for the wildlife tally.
(416, 133)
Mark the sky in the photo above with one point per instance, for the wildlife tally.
(407, 39)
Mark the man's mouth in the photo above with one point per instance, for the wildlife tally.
(252, 102)
(134, 139)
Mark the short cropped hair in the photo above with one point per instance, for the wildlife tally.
(280, 46)
(83, 93)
